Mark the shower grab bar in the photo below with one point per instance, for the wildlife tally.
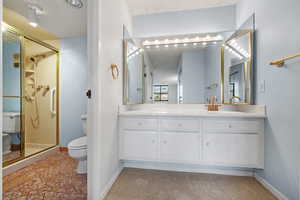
(52, 101)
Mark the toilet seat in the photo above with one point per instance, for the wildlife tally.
(79, 143)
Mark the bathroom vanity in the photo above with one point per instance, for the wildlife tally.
(186, 136)
(168, 82)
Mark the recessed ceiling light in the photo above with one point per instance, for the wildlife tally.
(75, 3)
(32, 17)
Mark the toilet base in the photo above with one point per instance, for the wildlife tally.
(82, 167)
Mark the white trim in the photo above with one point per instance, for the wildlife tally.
(108, 186)
(270, 187)
(189, 168)
(28, 161)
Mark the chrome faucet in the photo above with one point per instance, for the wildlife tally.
(235, 97)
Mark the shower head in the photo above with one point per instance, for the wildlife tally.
(75, 3)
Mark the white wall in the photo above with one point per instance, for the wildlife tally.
(73, 66)
(277, 36)
(193, 80)
(213, 71)
(105, 32)
(185, 22)
(172, 94)
(148, 68)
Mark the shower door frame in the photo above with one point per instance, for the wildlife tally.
(24, 37)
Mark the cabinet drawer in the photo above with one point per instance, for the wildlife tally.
(179, 125)
(138, 124)
(231, 126)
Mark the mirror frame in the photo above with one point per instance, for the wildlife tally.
(248, 68)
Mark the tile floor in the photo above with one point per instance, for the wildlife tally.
(136, 184)
(51, 179)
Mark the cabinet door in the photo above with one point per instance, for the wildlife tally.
(138, 145)
(236, 150)
(180, 147)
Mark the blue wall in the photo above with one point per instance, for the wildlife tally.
(206, 20)
(73, 65)
(278, 35)
(11, 77)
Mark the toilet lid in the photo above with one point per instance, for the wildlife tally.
(79, 143)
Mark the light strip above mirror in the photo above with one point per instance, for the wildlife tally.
(184, 41)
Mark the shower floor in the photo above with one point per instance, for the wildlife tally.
(32, 148)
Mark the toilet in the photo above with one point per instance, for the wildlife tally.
(78, 149)
(11, 126)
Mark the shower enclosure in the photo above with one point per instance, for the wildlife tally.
(30, 93)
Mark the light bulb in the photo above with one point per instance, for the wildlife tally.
(3, 28)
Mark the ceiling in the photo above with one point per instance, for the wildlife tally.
(144, 7)
(59, 19)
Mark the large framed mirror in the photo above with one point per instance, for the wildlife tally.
(237, 68)
(237, 65)
(189, 69)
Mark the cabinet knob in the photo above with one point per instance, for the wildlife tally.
(179, 125)
(229, 126)
(140, 123)
(207, 144)
(165, 142)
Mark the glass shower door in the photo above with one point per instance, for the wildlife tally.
(40, 97)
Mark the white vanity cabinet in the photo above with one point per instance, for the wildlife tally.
(233, 142)
(220, 141)
(179, 147)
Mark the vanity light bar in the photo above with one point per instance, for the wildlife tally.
(234, 52)
(183, 41)
(134, 53)
(175, 45)
(239, 49)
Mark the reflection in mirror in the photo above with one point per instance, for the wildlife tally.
(134, 72)
(11, 96)
(237, 66)
(175, 69)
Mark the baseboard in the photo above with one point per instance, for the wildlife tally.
(270, 187)
(63, 149)
(189, 168)
(108, 186)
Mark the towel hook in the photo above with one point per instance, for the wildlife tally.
(115, 71)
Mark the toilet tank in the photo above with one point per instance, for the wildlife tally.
(11, 122)
(83, 120)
